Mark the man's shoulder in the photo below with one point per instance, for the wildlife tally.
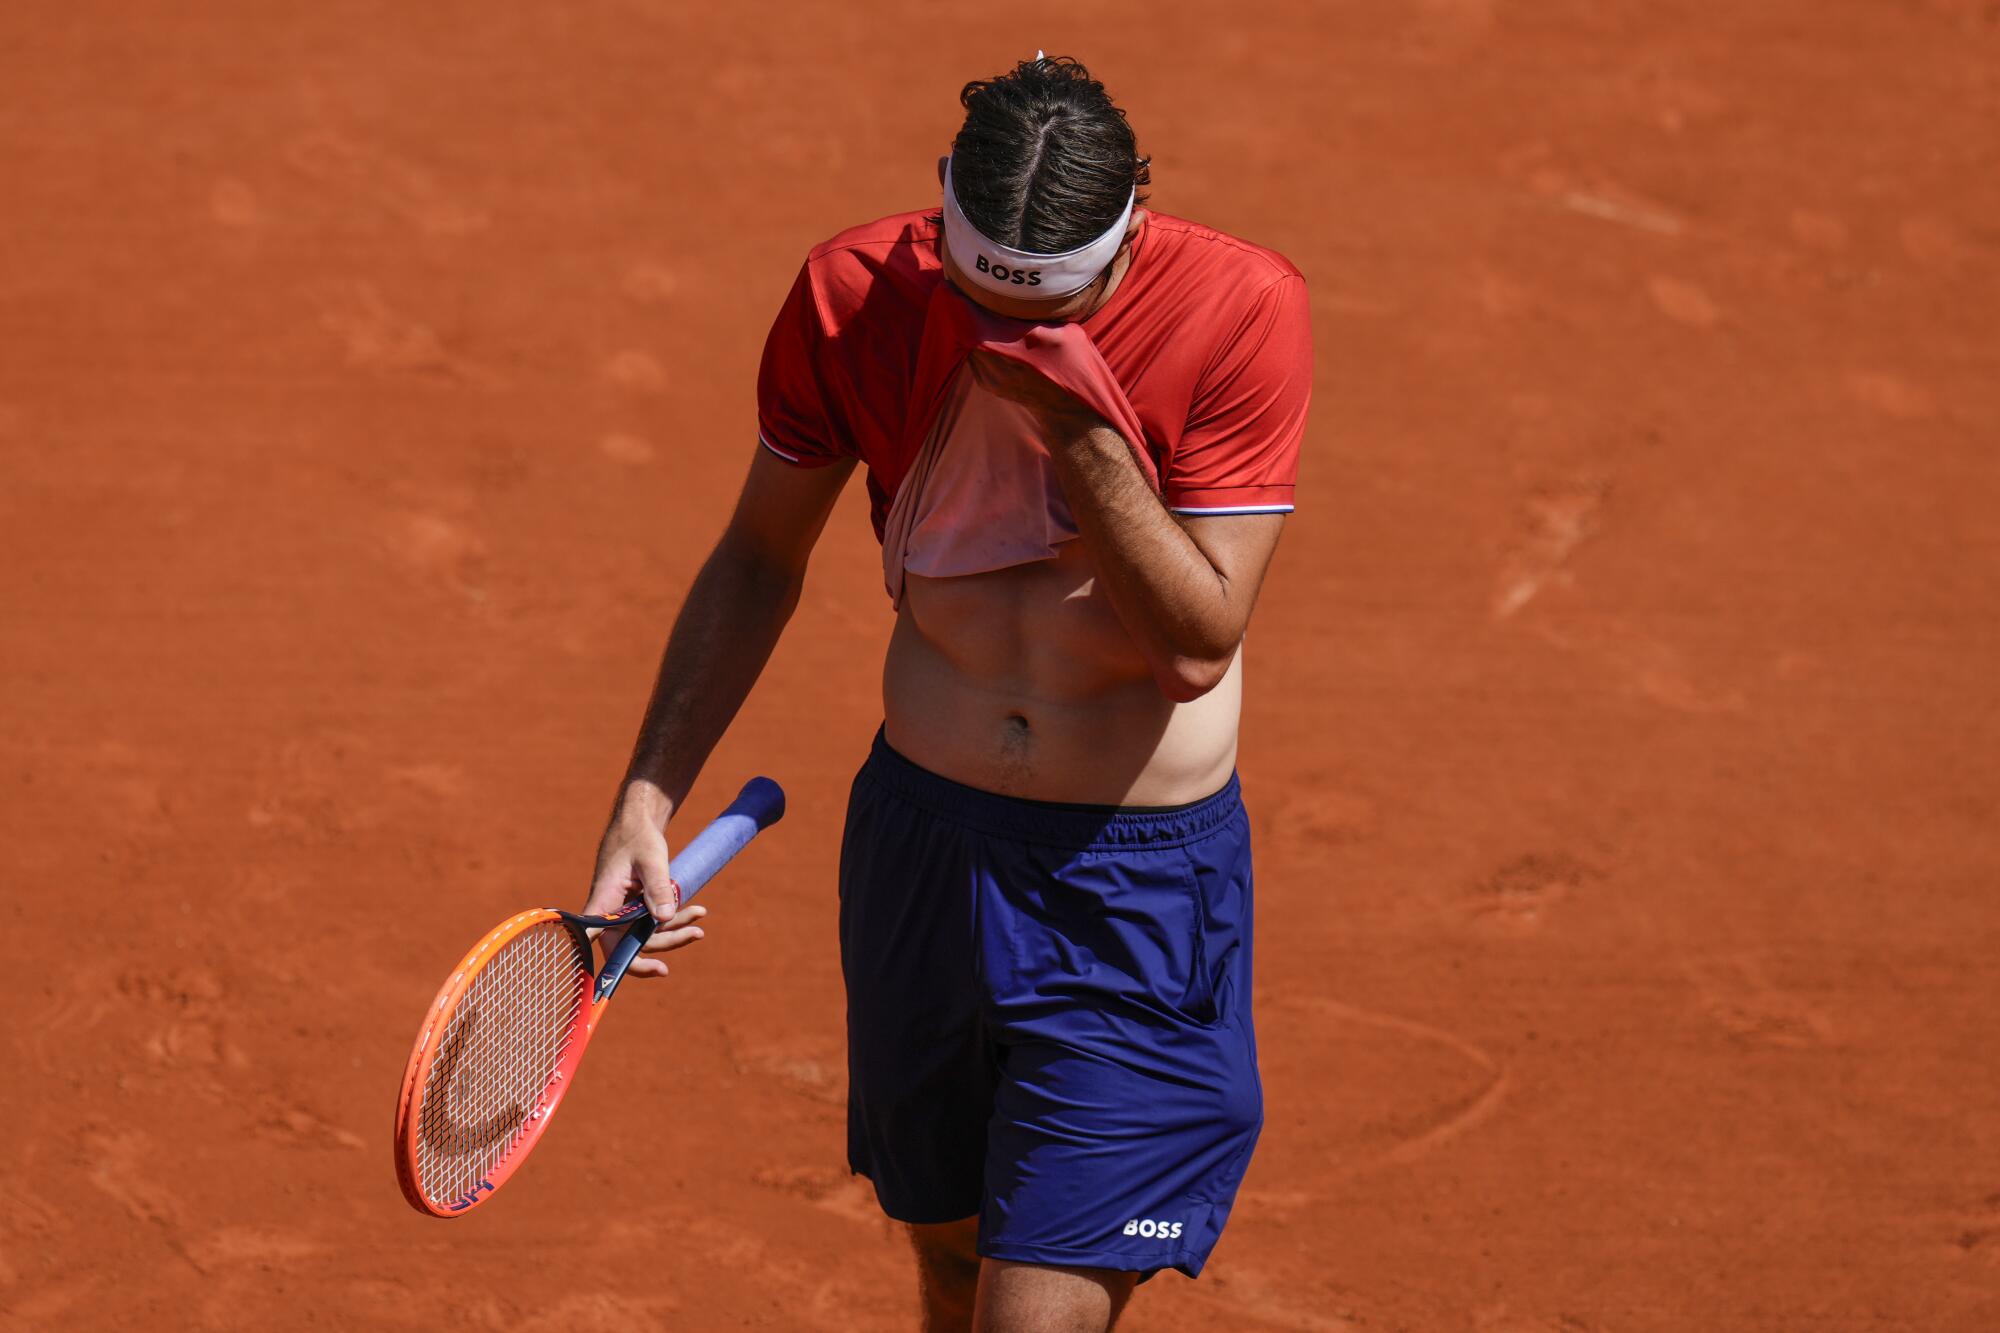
(893, 257)
(1218, 254)
(870, 240)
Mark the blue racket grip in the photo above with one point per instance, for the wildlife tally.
(759, 805)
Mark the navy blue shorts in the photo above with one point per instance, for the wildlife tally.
(1048, 1017)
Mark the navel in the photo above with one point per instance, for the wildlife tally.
(1016, 756)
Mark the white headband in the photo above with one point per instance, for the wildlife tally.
(1023, 273)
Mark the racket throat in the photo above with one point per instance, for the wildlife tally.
(622, 953)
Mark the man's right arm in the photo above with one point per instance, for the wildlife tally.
(734, 612)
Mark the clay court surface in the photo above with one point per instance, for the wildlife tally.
(1623, 740)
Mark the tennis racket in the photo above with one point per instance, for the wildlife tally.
(501, 1043)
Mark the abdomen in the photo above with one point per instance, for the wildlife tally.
(1023, 681)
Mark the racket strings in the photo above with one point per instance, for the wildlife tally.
(505, 1040)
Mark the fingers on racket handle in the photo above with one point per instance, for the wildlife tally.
(760, 805)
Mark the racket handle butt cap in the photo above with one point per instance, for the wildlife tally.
(763, 800)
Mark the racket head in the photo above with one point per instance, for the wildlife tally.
(498, 1049)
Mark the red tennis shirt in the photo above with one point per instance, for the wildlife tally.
(1208, 337)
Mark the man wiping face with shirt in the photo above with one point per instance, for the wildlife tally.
(1080, 422)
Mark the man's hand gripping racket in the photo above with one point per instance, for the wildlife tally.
(501, 1043)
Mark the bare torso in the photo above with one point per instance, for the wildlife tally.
(1023, 681)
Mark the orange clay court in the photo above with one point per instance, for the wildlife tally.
(1623, 745)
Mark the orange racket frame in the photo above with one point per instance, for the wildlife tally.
(437, 1023)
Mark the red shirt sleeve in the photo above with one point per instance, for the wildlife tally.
(1240, 452)
(794, 410)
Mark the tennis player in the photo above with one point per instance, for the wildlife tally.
(1080, 422)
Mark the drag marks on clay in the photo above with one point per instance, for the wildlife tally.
(381, 180)
(293, 1126)
(859, 1293)
(37, 1310)
(1313, 807)
(802, 1065)
(257, 1247)
(1616, 206)
(374, 336)
(1271, 1202)
(1517, 898)
(635, 371)
(1587, 192)
(1648, 665)
(1407, 1136)
(180, 1019)
(193, 1003)
(1975, 1233)
(629, 450)
(849, 1299)
(1892, 395)
(1237, 1294)
(138, 784)
(116, 1164)
(126, 1165)
(28, 1227)
(1737, 996)
(650, 283)
(439, 551)
(22, 1212)
(598, 1312)
(1683, 302)
(1676, 98)
(178, 1014)
(1554, 521)
(444, 782)
(307, 791)
(70, 1017)
(841, 1193)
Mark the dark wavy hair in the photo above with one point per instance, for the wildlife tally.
(1045, 160)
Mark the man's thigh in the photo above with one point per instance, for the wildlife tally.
(1039, 1298)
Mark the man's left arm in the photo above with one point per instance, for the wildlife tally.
(1183, 586)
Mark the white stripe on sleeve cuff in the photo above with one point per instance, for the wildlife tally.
(1230, 509)
(766, 442)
